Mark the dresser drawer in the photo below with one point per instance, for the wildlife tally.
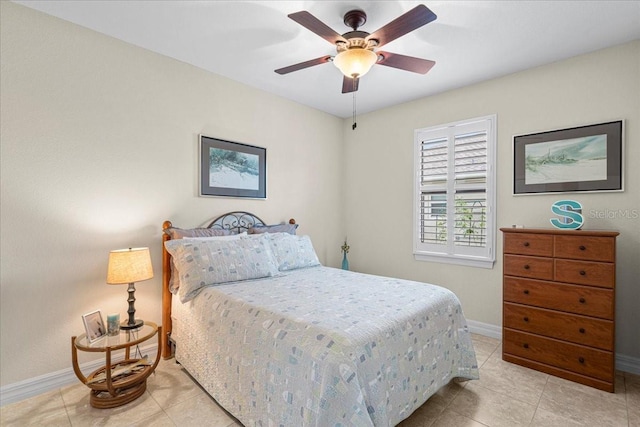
(528, 244)
(526, 266)
(585, 248)
(585, 273)
(585, 300)
(573, 357)
(568, 327)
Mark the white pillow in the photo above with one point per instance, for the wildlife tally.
(292, 252)
(201, 263)
(229, 237)
(174, 282)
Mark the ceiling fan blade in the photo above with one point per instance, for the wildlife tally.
(303, 65)
(403, 62)
(350, 84)
(413, 19)
(313, 24)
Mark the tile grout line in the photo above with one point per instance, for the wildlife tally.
(540, 399)
(488, 357)
(159, 406)
(500, 392)
(64, 405)
(626, 400)
(467, 382)
(464, 386)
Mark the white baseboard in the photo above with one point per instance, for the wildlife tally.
(485, 329)
(34, 386)
(628, 364)
(623, 362)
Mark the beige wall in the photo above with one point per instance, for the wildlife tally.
(99, 147)
(594, 88)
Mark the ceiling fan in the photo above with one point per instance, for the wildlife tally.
(356, 49)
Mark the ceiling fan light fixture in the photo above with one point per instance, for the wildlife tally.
(355, 62)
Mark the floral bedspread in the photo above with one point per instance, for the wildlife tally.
(323, 347)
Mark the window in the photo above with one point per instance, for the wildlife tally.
(455, 193)
(437, 205)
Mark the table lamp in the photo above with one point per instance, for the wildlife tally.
(127, 266)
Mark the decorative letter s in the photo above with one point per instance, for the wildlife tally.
(570, 212)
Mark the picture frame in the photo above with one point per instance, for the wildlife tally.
(94, 326)
(580, 159)
(232, 169)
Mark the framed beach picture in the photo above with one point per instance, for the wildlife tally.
(232, 169)
(94, 326)
(585, 158)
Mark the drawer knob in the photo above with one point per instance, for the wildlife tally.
(526, 266)
(582, 300)
(526, 244)
(583, 273)
(526, 291)
(581, 359)
(526, 319)
(525, 345)
(582, 331)
(583, 247)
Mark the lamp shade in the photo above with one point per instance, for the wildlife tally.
(355, 62)
(129, 265)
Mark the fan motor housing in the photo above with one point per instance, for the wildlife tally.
(355, 35)
(355, 18)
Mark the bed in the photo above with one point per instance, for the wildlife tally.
(301, 344)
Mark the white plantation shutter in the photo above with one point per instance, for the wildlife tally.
(433, 201)
(434, 160)
(470, 170)
(455, 181)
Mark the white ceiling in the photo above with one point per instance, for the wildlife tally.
(471, 41)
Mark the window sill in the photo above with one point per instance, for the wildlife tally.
(455, 259)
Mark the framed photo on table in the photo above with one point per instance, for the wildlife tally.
(94, 326)
(585, 158)
(232, 169)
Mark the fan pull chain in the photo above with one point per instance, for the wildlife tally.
(354, 125)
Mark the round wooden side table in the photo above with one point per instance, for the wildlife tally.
(118, 383)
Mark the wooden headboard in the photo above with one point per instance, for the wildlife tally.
(237, 222)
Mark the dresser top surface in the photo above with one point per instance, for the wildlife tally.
(599, 233)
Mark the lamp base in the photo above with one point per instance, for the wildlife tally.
(126, 326)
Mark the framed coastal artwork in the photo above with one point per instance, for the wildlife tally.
(585, 158)
(232, 169)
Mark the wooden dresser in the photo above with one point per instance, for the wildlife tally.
(559, 303)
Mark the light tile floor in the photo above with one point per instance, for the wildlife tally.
(505, 395)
